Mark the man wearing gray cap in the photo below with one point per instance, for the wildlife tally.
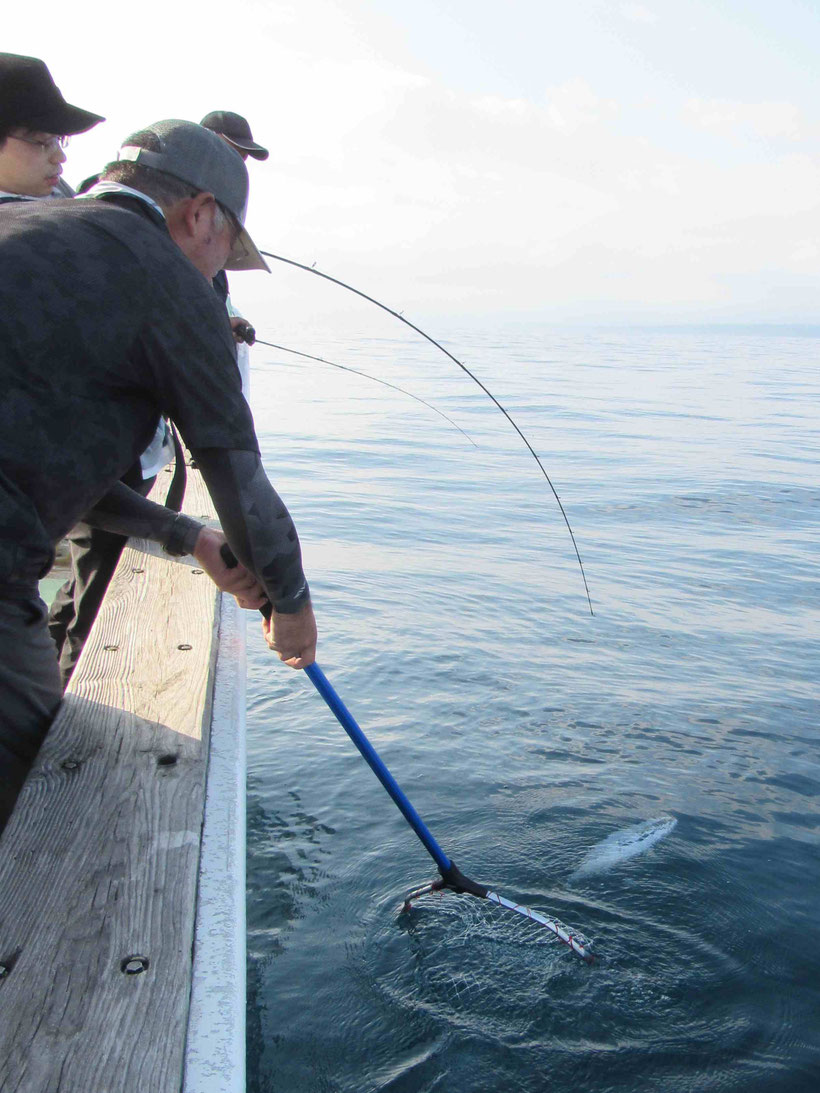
(93, 552)
(107, 321)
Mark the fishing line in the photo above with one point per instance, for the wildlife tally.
(398, 315)
(356, 372)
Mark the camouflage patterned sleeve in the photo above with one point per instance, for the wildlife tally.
(256, 523)
(126, 512)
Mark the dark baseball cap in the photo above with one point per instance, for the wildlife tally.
(235, 129)
(197, 156)
(29, 97)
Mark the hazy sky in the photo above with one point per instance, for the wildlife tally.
(595, 160)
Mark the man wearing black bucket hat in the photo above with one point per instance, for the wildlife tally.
(35, 121)
(107, 321)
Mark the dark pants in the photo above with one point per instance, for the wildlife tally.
(94, 557)
(30, 691)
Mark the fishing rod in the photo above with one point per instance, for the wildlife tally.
(356, 372)
(451, 876)
(398, 315)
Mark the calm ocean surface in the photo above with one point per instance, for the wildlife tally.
(454, 624)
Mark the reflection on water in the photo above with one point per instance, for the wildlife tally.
(453, 623)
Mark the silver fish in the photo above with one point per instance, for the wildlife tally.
(625, 844)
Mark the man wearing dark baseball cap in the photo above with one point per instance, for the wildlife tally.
(234, 129)
(35, 119)
(124, 327)
(236, 132)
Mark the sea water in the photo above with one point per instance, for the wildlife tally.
(527, 732)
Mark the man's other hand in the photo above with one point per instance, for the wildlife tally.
(242, 330)
(236, 580)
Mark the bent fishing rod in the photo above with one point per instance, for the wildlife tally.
(398, 315)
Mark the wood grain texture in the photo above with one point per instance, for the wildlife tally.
(99, 862)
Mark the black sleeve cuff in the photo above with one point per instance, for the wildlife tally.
(289, 605)
(182, 536)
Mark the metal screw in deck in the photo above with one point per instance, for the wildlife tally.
(134, 965)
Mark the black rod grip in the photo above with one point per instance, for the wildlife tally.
(231, 561)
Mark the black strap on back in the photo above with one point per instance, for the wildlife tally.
(176, 491)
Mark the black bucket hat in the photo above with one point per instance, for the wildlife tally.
(235, 129)
(29, 97)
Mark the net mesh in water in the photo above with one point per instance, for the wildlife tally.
(468, 955)
(536, 919)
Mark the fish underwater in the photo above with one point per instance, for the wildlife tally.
(625, 844)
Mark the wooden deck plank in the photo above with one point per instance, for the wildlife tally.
(99, 862)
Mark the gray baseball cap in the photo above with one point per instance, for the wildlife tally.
(199, 157)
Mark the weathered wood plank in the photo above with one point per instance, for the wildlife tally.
(98, 865)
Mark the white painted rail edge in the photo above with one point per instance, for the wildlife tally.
(215, 1046)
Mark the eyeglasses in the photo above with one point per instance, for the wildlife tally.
(46, 145)
(233, 223)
